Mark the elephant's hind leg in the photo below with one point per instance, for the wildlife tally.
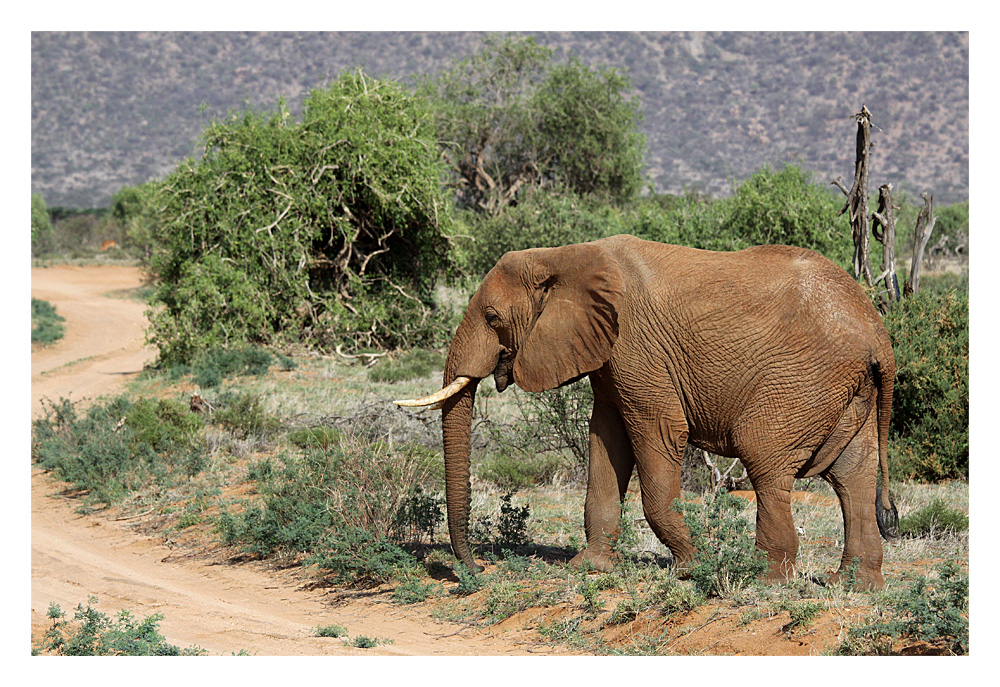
(853, 477)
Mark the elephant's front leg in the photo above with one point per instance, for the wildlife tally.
(611, 463)
(659, 449)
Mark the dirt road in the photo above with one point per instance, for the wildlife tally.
(219, 607)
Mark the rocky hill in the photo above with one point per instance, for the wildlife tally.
(114, 109)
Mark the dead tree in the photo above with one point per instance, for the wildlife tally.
(884, 231)
(857, 197)
(921, 235)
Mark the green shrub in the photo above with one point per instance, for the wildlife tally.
(99, 635)
(317, 437)
(509, 531)
(935, 519)
(726, 559)
(211, 367)
(324, 230)
(348, 507)
(334, 631)
(541, 219)
(414, 591)
(42, 240)
(930, 409)
(119, 446)
(244, 416)
(45, 323)
(360, 556)
(365, 642)
(931, 609)
(517, 472)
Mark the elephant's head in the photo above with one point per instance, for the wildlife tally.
(541, 318)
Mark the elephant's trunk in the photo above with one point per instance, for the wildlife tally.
(456, 425)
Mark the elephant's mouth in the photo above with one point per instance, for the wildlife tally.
(502, 372)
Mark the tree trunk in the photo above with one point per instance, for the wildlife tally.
(921, 235)
(884, 231)
(857, 197)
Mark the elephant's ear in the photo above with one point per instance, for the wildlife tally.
(579, 293)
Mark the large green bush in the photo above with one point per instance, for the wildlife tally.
(930, 414)
(322, 230)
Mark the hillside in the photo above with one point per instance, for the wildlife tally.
(114, 109)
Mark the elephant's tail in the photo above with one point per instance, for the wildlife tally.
(886, 514)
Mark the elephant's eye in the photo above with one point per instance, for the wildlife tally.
(492, 319)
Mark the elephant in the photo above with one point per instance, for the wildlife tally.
(772, 354)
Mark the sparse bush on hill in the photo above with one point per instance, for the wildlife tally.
(324, 230)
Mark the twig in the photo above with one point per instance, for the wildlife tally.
(711, 620)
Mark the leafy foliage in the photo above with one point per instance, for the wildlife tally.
(727, 558)
(348, 506)
(932, 609)
(936, 519)
(930, 414)
(118, 446)
(782, 207)
(320, 230)
(99, 635)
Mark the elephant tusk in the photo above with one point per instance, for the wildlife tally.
(436, 400)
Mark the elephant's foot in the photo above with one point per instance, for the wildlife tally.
(780, 572)
(592, 560)
(863, 580)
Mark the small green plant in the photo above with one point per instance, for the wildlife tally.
(933, 520)
(361, 557)
(414, 591)
(512, 526)
(45, 323)
(93, 633)
(671, 596)
(420, 514)
(931, 609)
(801, 614)
(244, 416)
(727, 559)
(365, 642)
(335, 631)
(468, 582)
(215, 365)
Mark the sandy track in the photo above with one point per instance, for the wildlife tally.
(219, 607)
